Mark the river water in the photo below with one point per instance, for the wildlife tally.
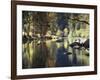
(50, 53)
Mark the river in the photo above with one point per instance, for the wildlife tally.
(50, 53)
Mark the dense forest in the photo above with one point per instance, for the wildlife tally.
(49, 25)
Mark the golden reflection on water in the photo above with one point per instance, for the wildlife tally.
(49, 53)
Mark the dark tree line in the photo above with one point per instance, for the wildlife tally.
(42, 22)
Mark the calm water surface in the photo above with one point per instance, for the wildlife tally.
(50, 53)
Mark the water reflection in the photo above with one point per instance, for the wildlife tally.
(50, 53)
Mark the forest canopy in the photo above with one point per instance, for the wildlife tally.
(41, 24)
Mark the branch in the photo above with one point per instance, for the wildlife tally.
(80, 20)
